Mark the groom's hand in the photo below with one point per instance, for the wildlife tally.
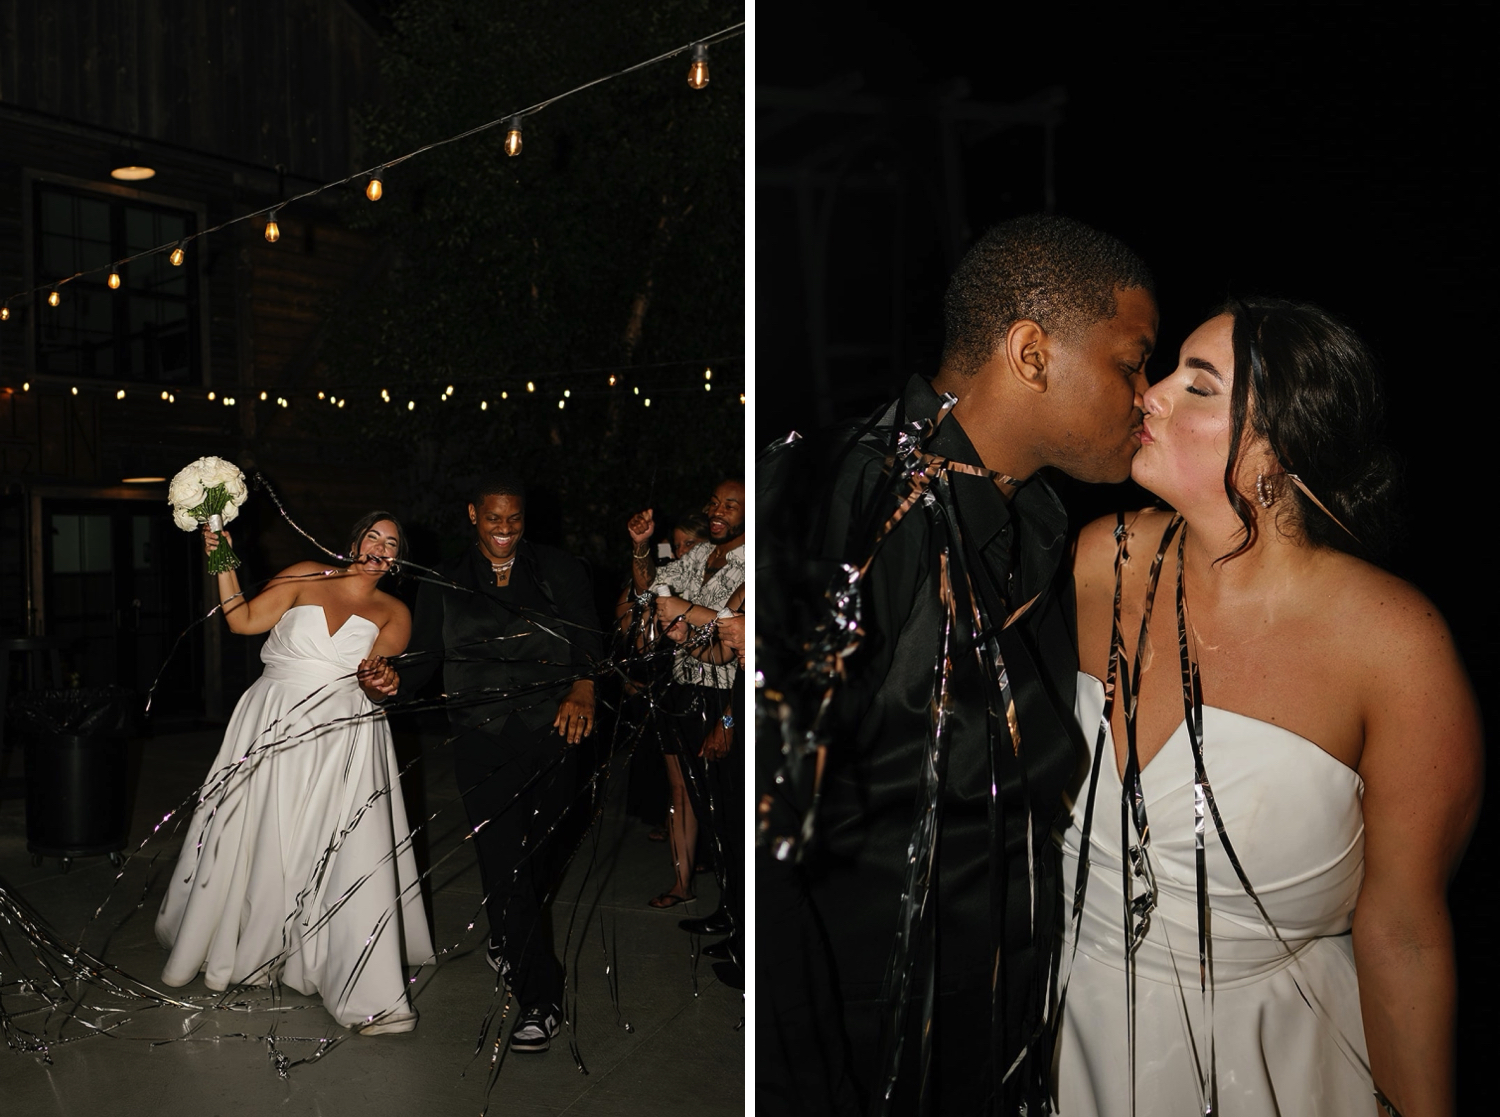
(377, 678)
(575, 713)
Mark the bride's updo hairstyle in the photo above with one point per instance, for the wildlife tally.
(1309, 387)
(364, 524)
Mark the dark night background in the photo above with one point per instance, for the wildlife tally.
(1321, 153)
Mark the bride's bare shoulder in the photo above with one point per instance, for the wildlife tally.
(1094, 555)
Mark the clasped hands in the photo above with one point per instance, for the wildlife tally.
(377, 678)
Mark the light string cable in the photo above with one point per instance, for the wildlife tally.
(730, 32)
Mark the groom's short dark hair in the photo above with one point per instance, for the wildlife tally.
(498, 483)
(1054, 271)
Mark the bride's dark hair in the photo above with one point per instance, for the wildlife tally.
(1318, 403)
(369, 520)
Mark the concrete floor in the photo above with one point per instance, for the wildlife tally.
(675, 1043)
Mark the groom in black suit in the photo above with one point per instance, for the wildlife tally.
(950, 733)
(517, 634)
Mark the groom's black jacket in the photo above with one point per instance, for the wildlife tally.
(528, 640)
(852, 878)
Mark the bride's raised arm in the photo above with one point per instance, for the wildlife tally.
(250, 615)
(1423, 770)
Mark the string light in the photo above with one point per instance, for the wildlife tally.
(114, 279)
(611, 380)
(708, 374)
(708, 387)
(341, 404)
(385, 395)
(54, 298)
(411, 405)
(212, 397)
(567, 393)
(742, 397)
(484, 405)
(530, 386)
(697, 78)
(636, 390)
(120, 394)
(26, 385)
(263, 396)
(561, 404)
(171, 398)
(164, 396)
(698, 71)
(320, 395)
(75, 391)
(648, 401)
(449, 390)
(505, 395)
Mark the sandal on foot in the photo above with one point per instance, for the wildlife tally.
(669, 899)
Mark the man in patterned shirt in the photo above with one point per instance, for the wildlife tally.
(695, 589)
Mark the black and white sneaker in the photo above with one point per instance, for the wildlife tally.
(498, 963)
(534, 1031)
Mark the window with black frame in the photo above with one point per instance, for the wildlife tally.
(146, 329)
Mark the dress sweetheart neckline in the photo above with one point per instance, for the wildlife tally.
(341, 627)
(1182, 723)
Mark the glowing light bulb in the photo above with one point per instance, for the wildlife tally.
(178, 255)
(341, 404)
(26, 385)
(449, 390)
(164, 395)
(411, 405)
(273, 231)
(212, 397)
(75, 391)
(698, 71)
(120, 394)
(513, 136)
(648, 401)
(53, 298)
(611, 380)
(171, 398)
(561, 404)
(708, 387)
(385, 395)
(708, 374)
(484, 405)
(114, 281)
(320, 395)
(505, 395)
(567, 393)
(636, 390)
(263, 395)
(4, 314)
(375, 190)
(742, 397)
(530, 387)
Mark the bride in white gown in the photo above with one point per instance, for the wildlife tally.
(297, 865)
(1299, 958)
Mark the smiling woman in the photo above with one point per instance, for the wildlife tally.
(283, 877)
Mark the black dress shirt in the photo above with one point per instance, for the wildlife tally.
(528, 640)
(880, 727)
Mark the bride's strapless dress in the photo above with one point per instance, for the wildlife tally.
(262, 888)
(1293, 813)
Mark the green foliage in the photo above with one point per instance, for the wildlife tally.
(626, 203)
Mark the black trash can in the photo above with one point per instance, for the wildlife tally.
(76, 763)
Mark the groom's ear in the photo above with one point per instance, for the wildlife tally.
(473, 515)
(1025, 351)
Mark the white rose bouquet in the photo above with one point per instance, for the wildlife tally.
(210, 491)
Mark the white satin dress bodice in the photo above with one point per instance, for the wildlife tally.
(1292, 813)
(297, 866)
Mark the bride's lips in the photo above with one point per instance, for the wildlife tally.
(1145, 434)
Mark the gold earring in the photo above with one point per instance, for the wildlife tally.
(1263, 490)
